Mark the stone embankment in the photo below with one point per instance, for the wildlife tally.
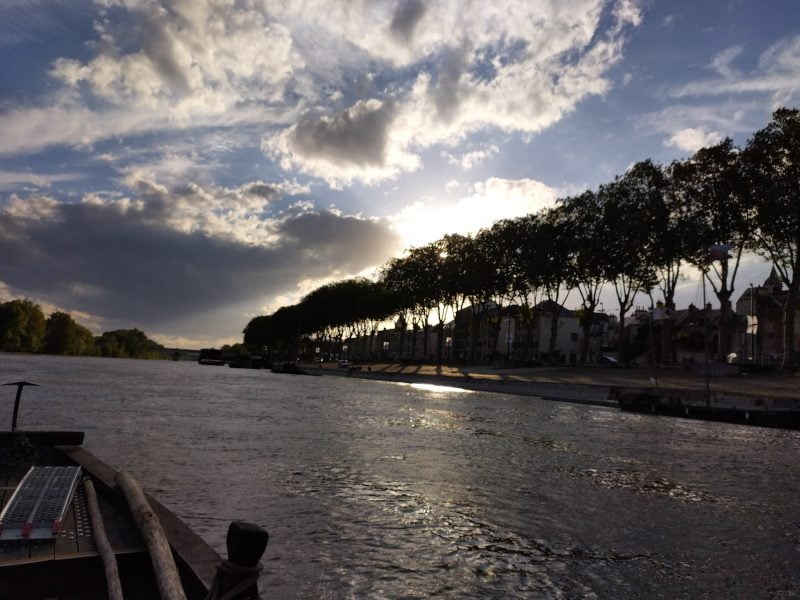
(586, 385)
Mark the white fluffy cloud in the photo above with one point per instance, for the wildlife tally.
(164, 65)
(342, 89)
(513, 66)
(472, 158)
(692, 139)
(352, 144)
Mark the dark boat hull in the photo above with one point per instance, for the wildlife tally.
(763, 412)
(290, 369)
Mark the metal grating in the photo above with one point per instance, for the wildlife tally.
(36, 510)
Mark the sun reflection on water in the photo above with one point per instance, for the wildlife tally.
(438, 389)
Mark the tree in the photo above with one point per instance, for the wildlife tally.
(397, 285)
(628, 223)
(455, 272)
(64, 336)
(556, 267)
(127, 343)
(711, 192)
(772, 160)
(490, 279)
(668, 247)
(518, 254)
(584, 218)
(22, 326)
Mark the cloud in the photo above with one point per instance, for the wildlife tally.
(468, 160)
(12, 180)
(354, 137)
(427, 219)
(345, 90)
(353, 144)
(406, 18)
(690, 127)
(693, 138)
(169, 260)
(452, 185)
(777, 73)
(165, 66)
(515, 66)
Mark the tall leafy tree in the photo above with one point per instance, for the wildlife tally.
(492, 273)
(772, 159)
(423, 267)
(456, 250)
(556, 266)
(584, 217)
(22, 326)
(711, 190)
(398, 285)
(668, 248)
(519, 267)
(64, 336)
(628, 220)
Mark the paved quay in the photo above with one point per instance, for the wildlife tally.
(588, 385)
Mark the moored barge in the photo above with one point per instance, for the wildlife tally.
(714, 406)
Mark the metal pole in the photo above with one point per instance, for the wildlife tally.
(706, 312)
(20, 385)
(752, 326)
(16, 407)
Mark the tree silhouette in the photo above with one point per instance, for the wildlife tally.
(711, 190)
(772, 162)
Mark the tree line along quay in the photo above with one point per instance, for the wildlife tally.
(637, 234)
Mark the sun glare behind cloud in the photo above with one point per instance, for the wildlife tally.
(429, 219)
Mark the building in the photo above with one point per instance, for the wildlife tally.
(764, 306)
(484, 334)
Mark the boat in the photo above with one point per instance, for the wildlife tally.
(290, 368)
(250, 361)
(713, 406)
(74, 528)
(212, 357)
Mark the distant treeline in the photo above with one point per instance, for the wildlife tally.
(636, 234)
(24, 328)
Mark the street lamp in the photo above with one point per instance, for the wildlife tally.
(508, 338)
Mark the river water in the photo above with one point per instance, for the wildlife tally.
(387, 490)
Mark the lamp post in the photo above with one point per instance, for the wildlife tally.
(603, 325)
(752, 325)
(508, 338)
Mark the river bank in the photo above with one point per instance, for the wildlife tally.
(587, 385)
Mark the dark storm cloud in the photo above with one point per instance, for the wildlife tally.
(408, 15)
(118, 264)
(356, 136)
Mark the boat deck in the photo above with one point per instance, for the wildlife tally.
(68, 566)
(76, 538)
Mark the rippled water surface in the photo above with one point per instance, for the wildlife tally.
(386, 490)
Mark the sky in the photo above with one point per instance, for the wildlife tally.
(183, 166)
